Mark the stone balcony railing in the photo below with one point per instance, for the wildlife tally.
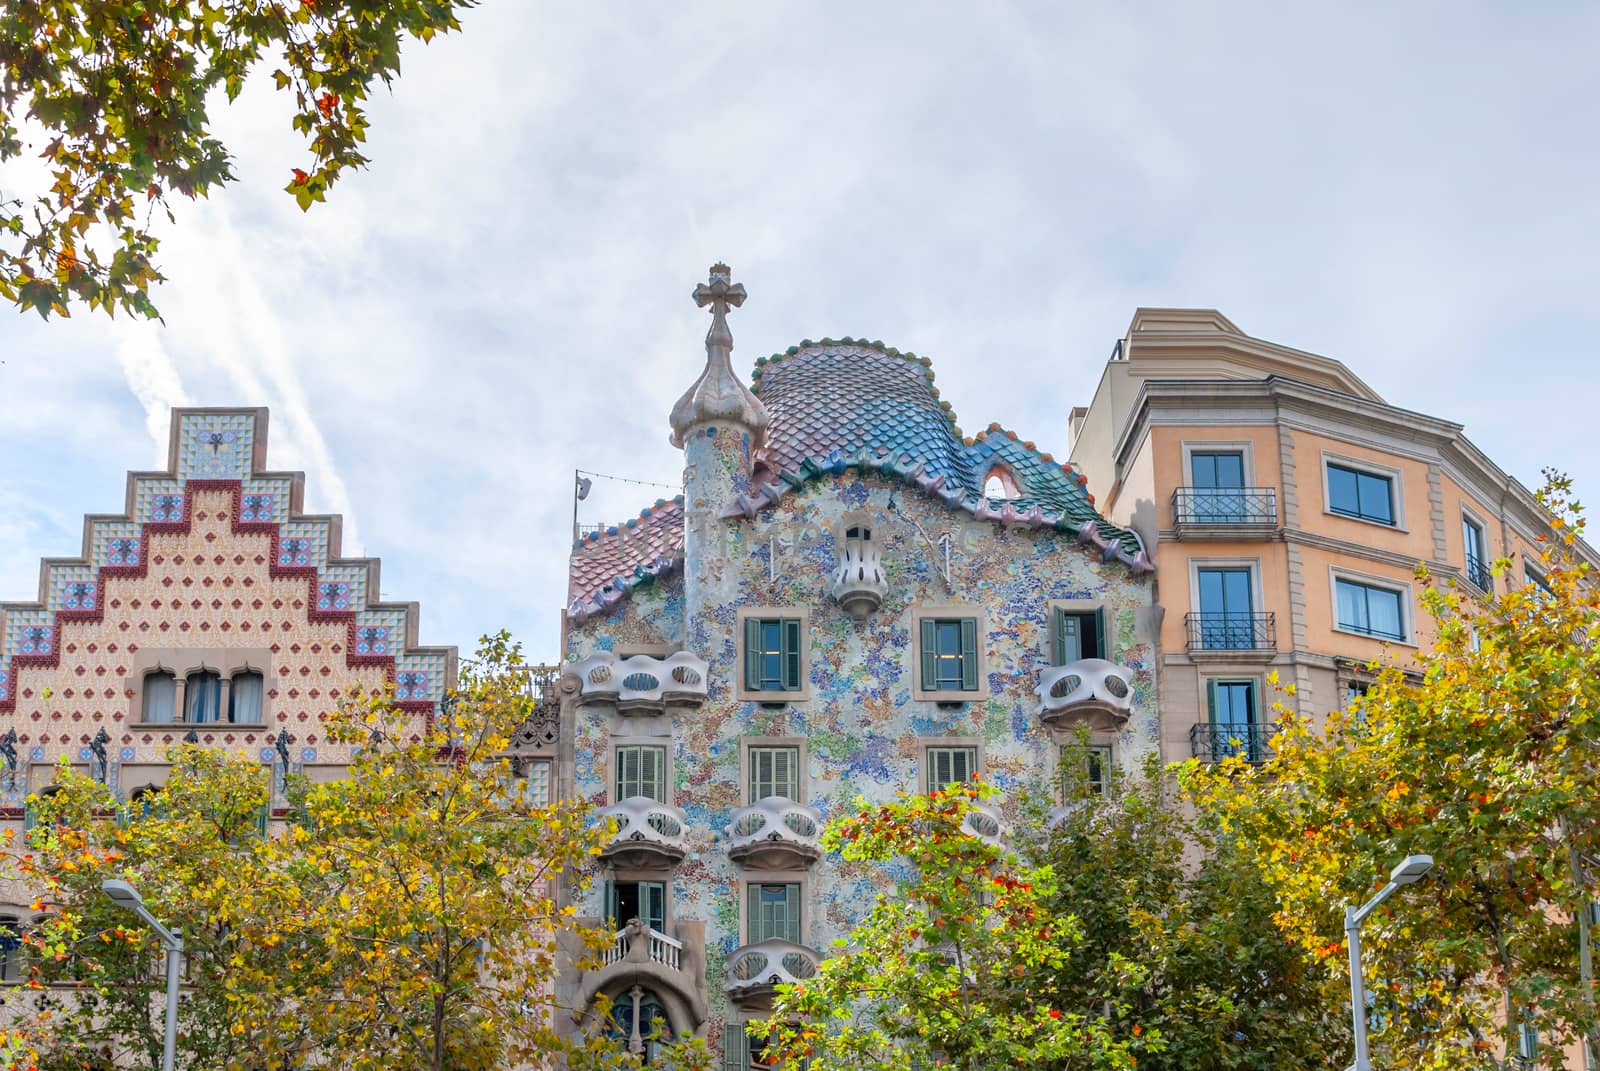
(642, 684)
(754, 971)
(640, 955)
(775, 834)
(1090, 691)
(649, 834)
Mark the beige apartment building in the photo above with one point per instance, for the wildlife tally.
(1286, 506)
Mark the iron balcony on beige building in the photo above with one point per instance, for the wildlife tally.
(1286, 506)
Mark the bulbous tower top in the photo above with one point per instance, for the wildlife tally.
(719, 395)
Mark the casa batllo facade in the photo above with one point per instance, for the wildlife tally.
(851, 599)
(210, 609)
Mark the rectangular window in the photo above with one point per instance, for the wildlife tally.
(1477, 556)
(772, 654)
(774, 771)
(642, 771)
(1232, 703)
(947, 765)
(203, 697)
(1363, 495)
(1536, 578)
(643, 900)
(1078, 634)
(774, 912)
(1217, 470)
(949, 652)
(1089, 766)
(1370, 610)
(1227, 610)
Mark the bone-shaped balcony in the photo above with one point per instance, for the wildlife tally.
(755, 971)
(642, 684)
(649, 834)
(775, 834)
(1089, 691)
(984, 823)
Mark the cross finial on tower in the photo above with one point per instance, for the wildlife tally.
(720, 292)
(718, 394)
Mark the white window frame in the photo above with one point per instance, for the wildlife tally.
(1240, 446)
(1408, 613)
(746, 743)
(1469, 516)
(1253, 564)
(667, 771)
(981, 764)
(1397, 489)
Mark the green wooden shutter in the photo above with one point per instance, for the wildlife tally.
(652, 775)
(753, 913)
(791, 913)
(1064, 624)
(929, 649)
(791, 654)
(653, 905)
(969, 654)
(752, 654)
(1100, 647)
(1211, 701)
(627, 772)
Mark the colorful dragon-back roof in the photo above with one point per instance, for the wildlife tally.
(224, 450)
(852, 404)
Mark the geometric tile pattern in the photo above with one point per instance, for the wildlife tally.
(215, 450)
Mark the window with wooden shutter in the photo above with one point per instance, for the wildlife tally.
(642, 771)
(1088, 765)
(774, 771)
(772, 654)
(1078, 634)
(947, 765)
(774, 912)
(949, 654)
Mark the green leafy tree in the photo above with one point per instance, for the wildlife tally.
(116, 96)
(1222, 985)
(956, 969)
(1487, 762)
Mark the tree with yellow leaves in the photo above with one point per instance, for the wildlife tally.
(1488, 763)
(403, 918)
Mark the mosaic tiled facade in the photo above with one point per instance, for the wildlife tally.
(842, 480)
(211, 568)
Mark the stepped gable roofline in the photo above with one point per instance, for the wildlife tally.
(162, 502)
(838, 405)
(607, 565)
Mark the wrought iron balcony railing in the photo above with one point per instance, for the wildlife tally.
(1225, 505)
(1229, 740)
(1478, 572)
(1231, 632)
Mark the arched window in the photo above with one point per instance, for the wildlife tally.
(10, 948)
(640, 1019)
(142, 802)
(244, 697)
(160, 697)
(203, 697)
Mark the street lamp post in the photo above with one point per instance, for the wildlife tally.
(1411, 869)
(124, 895)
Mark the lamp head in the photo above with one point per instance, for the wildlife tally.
(1411, 869)
(122, 894)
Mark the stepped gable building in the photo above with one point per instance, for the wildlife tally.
(851, 599)
(1291, 505)
(211, 609)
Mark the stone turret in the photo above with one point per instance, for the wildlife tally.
(718, 423)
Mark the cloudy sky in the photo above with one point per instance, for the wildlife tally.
(1413, 189)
